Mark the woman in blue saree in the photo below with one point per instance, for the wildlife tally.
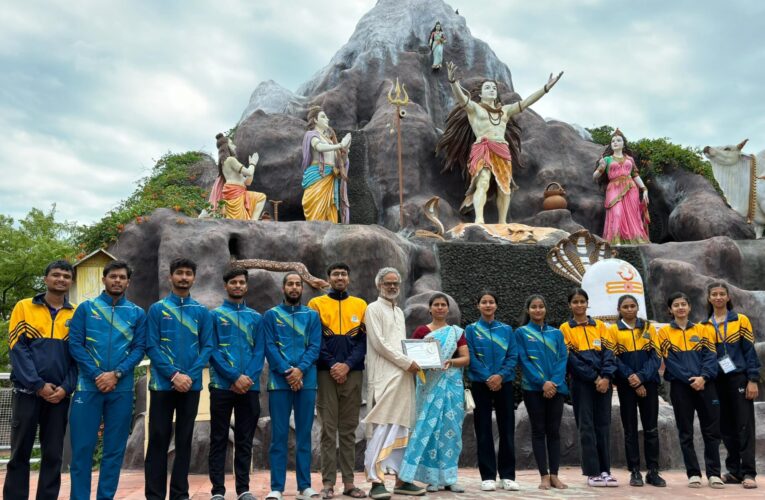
(436, 440)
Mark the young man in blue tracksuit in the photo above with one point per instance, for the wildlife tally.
(235, 366)
(178, 343)
(43, 376)
(293, 339)
(107, 337)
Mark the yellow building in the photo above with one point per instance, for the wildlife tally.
(87, 283)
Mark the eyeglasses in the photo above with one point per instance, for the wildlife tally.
(340, 274)
(391, 284)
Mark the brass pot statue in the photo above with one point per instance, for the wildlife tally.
(555, 197)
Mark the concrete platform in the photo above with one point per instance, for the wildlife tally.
(131, 487)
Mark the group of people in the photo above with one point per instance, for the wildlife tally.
(316, 355)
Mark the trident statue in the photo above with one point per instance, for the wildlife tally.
(399, 101)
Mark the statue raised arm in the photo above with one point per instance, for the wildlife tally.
(231, 185)
(325, 171)
(482, 132)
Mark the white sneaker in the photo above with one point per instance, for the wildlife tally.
(509, 484)
(488, 485)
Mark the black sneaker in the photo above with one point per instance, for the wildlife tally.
(378, 492)
(654, 479)
(636, 478)
(409, 489)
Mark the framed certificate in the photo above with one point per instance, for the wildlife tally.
(425, 353)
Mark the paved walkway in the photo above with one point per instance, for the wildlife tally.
(131, 487)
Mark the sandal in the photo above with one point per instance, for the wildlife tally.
(308, 494)
(749, 483)
(729, 478)
(328, 492)
(274, 495)
(355, 493)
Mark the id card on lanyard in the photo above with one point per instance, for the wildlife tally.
(726, 364)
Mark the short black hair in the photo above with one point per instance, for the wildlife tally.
(338, 265)
(436, 296)
(180, 262)
(290, 273)
(59, 264)
(673, 297)
(234, 272)
(117, 264)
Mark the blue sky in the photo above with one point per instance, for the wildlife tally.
(93, 92)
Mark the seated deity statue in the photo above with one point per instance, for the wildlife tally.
(325, 171)
(482, 135)
(626, 196)
(436, 43)
(231, 184)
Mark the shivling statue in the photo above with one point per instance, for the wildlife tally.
(231, 184)
(482, 130)
(325, 170)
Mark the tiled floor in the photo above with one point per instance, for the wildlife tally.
(131, 487)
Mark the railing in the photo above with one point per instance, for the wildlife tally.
(6, 414)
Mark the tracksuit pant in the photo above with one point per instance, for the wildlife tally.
(338, 407)
(161, 408)
(88, 409)
(592, 411)
(737, 424)
(281, 403)
(246, 409)
(629, 403)
(545, 415)
(29, 412)
(490, 463)
(686, 401)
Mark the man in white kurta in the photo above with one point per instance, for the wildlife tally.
(391, 389)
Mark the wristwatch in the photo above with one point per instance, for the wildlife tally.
(118, 374)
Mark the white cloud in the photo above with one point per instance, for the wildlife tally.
(92, 93)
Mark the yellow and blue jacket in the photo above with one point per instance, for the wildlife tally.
(238, 345)
(735, 338)
(688, 352)
(543, 355)
(590, 351)
(38, 346)
(343, 333)
(178, 340)
(636, 351)
(104, 337)
(493, 350)
(293, 339)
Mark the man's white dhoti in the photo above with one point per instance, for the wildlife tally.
(385, 451)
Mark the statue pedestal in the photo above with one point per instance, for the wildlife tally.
(506, 234)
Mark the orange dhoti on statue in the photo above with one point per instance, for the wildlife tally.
(239, 202)
(494, 156)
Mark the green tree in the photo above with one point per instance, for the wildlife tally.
(26, 249)
(170, 185)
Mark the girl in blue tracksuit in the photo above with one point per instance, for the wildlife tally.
(592, 366)
(542, 354)
(493, 357)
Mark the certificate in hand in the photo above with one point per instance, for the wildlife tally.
(423, 352)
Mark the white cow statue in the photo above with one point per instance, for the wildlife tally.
(733, 171)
